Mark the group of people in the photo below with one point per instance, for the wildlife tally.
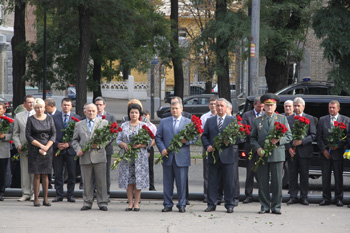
(38, 134)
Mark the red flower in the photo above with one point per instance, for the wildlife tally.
(336, 123)
(241, 129)
(302, 119)
(342, 127)
(75, 119)
(277, 112)
(307, 121)
(120, 129)
(11, 141)
(239, 118)
(103, 117)
(296, 117)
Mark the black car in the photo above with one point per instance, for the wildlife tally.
(196, 105)
(194, 90)
(8, 105)
(309, 88)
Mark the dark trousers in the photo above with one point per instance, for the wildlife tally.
(59, 176)
(3, 169)
(228, 183)
(150, 168)
(250, 174)
(236, 181)
(326, 166)
(295, 167)
(205, 175)
(108, 174)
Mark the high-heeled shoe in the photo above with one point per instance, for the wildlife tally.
(36, 204)
(129, 209)
(46, 203)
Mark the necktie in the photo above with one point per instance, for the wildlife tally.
(220, 123)
(175, 126)
(269, 121)
(65, 122)
(90, 125)
(332, 121)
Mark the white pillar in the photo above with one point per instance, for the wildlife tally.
(131, 87)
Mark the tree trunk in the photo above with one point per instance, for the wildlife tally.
(222, 59)
(96, 75)
(276, 74)
(175, 54)
(83, 60)
(18, 55)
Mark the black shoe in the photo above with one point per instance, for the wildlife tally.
(218, 202)
(205, 200)
(276, 212)
(182, 209)
(136, 209)
(229, 210)
(248, 200)
(128, 209)
(70, 199)
(264, 212)
(235, 202)
(152, 189)
(188, 202)
(325, 202)
(1, 198)
(57, 199)
(304, 202)
(36, 204)
(292, 201)
(103, 208)
(85, 208)
(167, 209)
(81, 186)
(339, 203)
(210, 209)
(46, 203)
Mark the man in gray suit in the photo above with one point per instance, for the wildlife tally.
(19, 140)
(4, 153)
(300, 152)
(101, 105)
(248, 119)
(176, 165)
(92, 163)
(331, 156)
(224, 161)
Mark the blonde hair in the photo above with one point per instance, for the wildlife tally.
(135, 101)
(39, 101)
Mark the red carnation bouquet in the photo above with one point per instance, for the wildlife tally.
(299, 131)
(102, 136)
(230, 135)
(190, 132)
(142, 137)
(68, 132)
(279, 130)
(337, 134)
(5, 124)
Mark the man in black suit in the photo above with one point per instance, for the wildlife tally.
(331, 155)
(224, 161)
(50, 107)
(66, 155)
(248, 118)
(300, 152)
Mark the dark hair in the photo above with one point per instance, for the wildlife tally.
(99, 98)
(134, 106)
(66, 100)
(26, 97)
(50, 102)
(146, 112)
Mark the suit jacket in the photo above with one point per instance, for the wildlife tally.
(58, 112)
(211, 130)
(58, 120)
(164, 135)
(260, 131)
(110, 118)
(305, 150)
(323, 132)
(19, 128)
(82, 136)
(248, 118)
(5, 145)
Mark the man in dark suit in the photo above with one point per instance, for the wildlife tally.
(101, 105)
(50, 107)
(176, 165)
(224, 160)
(300, 152)
(262, 127)
(66, 155)
(248, 119)
(331, 156)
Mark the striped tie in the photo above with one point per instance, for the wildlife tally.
(220, 124)
(65, 123)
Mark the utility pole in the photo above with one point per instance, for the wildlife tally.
(254, 49)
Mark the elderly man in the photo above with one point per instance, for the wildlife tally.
(262, 127)
(248, 119)
(331, 155)
(175, 166)
(288, 108)
(19, 139)
(101, 105)
(92, 163)
(300, 152)
(224, 160)
(50, 107)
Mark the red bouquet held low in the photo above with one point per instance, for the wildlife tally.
(68, 132)
(5, 124)
(189, 133)
(337, 134)
(299, 131)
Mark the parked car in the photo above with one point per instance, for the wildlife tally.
(194, 90)
(8, 104)
(215, 90)
(317, 106)
(72, 94)
(196, 105)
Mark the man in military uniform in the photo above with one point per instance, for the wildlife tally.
(274, 162)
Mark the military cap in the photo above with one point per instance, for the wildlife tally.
(269, 98)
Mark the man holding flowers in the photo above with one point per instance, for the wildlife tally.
(300, 151)
(263, 128)
(331, 151)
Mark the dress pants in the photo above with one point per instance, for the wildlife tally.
(326, 166)
(250, 174)
(3, 169)
(26, 178)
(179, 174)
(263, 172)
(58, 162)
(205, 174)
(295, 167)
(90, 173)
(150, 168)
(108, 175)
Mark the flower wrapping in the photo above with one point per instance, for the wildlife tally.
(68, 132)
